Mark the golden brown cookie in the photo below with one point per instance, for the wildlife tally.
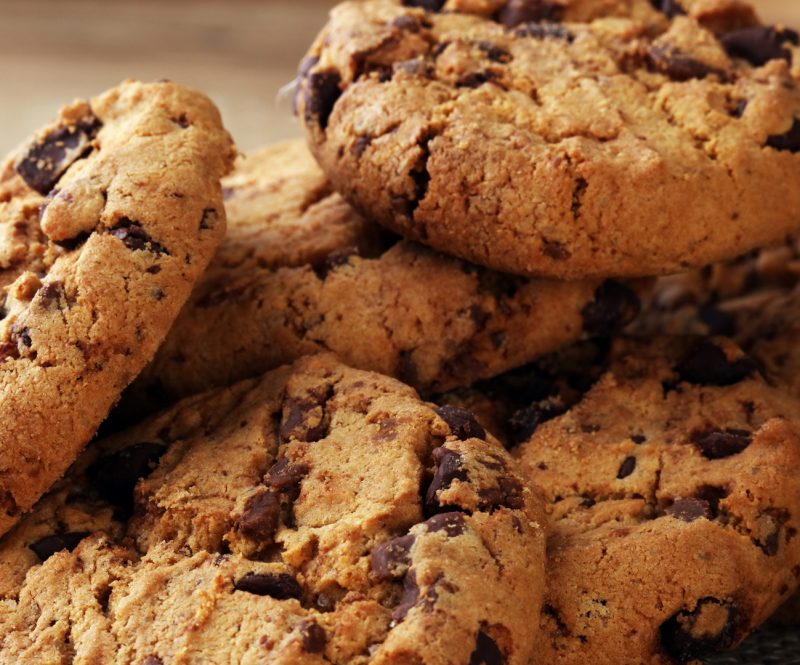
(316, 515)
(511, 134)
(107, 219)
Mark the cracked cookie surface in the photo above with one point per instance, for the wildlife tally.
(316, 515)
(567, 139)
(671, 486)
(107, 219)
(301, 272)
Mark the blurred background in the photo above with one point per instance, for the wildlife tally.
(240, 52)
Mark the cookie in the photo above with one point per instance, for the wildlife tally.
(316, 515)
(513, 135)
(671, 484)
(301, 272)
(107, 218)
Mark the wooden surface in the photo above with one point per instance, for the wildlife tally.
(241, 52)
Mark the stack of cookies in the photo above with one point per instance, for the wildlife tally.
(499, 366)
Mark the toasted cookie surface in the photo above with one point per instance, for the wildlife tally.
(567, 139)
(318, 514)
(672, 489)
(301, 272)
(107, 218)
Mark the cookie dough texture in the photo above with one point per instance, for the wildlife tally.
(301, 272)
(316, 515)
(107, 218)
(561, 139)
(672, 490)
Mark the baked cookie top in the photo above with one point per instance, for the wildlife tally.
(671, 484)
(316, 515)
(561, 139)
(107, 218)
(301, 272)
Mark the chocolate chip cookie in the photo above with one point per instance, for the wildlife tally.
(301, 272)
(561, 139)
(316, 515)
(107, 218)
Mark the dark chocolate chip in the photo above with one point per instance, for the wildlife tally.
(462, 422)
(717, 444)
(789, 142)
(285, 475)
(689, 509)
(507, 493)
(495, 53)
(707, 364)
(134, 237)
(527, 11)
(524, 423)
(277, 585)
(671, 8)
(407, 23)
(360, 145)
(336, 259)
(390, 560)
(452, 523)
(626, 468)
(555, 250)
(712, 496)
(322, 92)
(409, 598)
(152, 660)
(475, 79)
(678, 66)
(486, 651)
(260, 517)
(51, 155)
(718, 321)
(46, 547)
(738, 110)
(305, 418)
(427, 5)
(760, 44)
(686, 635)
(544, 31)
(115, 475)
(448, 469)
(614, 306)
(638, 439)
(314, 636)
(208, 220)
(49, 293)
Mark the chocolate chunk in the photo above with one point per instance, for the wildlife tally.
(314, 636)
(390, 560)
(555, 250)
(409, 598)
(407, 23)
(614, 306)
(710, 627)
(707, 365)
(475, 79)
(638, 439)
(322, 92)
(260, 517)
(285, 475)
(46, 547)
(277, 585)
(50, 156)
(527, 11)
(152, 660)
(208, 220)
(334, 260)
(712, 496)
(427, 5)
(671, 8)
(448, 469)
(678, 66)
(115, 475)
(507, 493)
(452, 523)
(134, 237)
(50, 293)
(462, 422)
(495, 53)
(789, 142)
(626, 468)
(486, 651)
(304, 418)
(524, 423)
(689, 509)
(544, 31)
(760, 44)
(717, 444)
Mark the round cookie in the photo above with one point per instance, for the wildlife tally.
(672, 490)
(517, 137)
(316, 515)
(301, 272)
(107, 219)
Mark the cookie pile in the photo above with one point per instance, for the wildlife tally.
(499, 366)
